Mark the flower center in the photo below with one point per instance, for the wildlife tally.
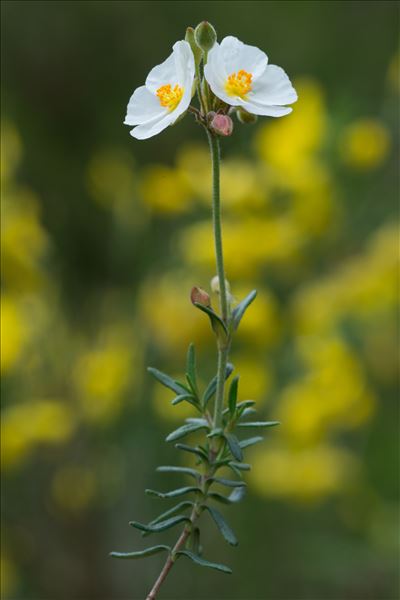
(238, 84)
(170, 96)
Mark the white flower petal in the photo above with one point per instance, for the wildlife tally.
(236, 55)
(265, 110)
(147, 130)
(184, 63)
(273, 87)
(162, 74)
(143, 107)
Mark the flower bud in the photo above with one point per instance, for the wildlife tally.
(199, 296)
(220, 124)
(215, 285)
(245, 117)
(205, 36)
(190, 38)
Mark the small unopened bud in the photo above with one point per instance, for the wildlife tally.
(215, 285)
(245, 117)
(190, 38)
(205, 36)
(199, 296)
(220, 124)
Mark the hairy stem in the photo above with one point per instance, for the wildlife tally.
(216, 212)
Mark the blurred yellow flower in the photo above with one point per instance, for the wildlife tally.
(364, 144)
(8, 576)
(25, 426)
(165, 306)
(102, 375)
(256, 376)
(287, 145)
(24, 241)
(165, 191)
(15, 331)
(165, 410)
(73, 487)
(306, 475)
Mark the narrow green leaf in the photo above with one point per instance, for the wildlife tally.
(174, 493)
(184, 430)
(241, 308)
(250, 442)
(246, 412)
(188, 397)
(198, 451)
(161, 525)
(234, 446)
(235, 496)
(191, 367)
(241, 466)
(204, 563)
(212, 386)
(241, 406)
(185, 470)
(232, 397)
(228, 482)
(259, 424)
(141, 553)
(222, 525)
(217, 323)
(172, 511)
(166, 380)
(194, 541)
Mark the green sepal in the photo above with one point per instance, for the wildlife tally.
(228, 482)
(198, 451)
(234, 446)
(173, 469)
(202, 562)
(232, 397)
(161, 525)
(174, 493)
(141, 553)
(240, 309)
(184, 430)
(235, 496)
(222, 525)
(250, 441)
(212, 386)
(259, 424)
(168, 382)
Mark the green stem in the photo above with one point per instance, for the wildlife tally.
(223, 348)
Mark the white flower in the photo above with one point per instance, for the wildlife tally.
(240, 75)
(165, 96)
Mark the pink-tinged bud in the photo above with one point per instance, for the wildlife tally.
(199, 296)
(221, 124)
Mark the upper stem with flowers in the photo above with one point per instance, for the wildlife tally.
(230, 77)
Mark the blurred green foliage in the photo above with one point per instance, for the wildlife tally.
(102, 240)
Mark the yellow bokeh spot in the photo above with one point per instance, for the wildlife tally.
(165, 191)
(165, 410)
(365, 144)
(14, 332)
(73, 488)
(25, 426)
(8, 576)
(306, 475)
(101, 377)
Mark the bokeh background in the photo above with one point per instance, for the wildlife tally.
(103, 237)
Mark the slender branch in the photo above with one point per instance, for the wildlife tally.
(169, 563)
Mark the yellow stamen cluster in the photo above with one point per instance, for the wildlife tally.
(239, 84)
(170, 96)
